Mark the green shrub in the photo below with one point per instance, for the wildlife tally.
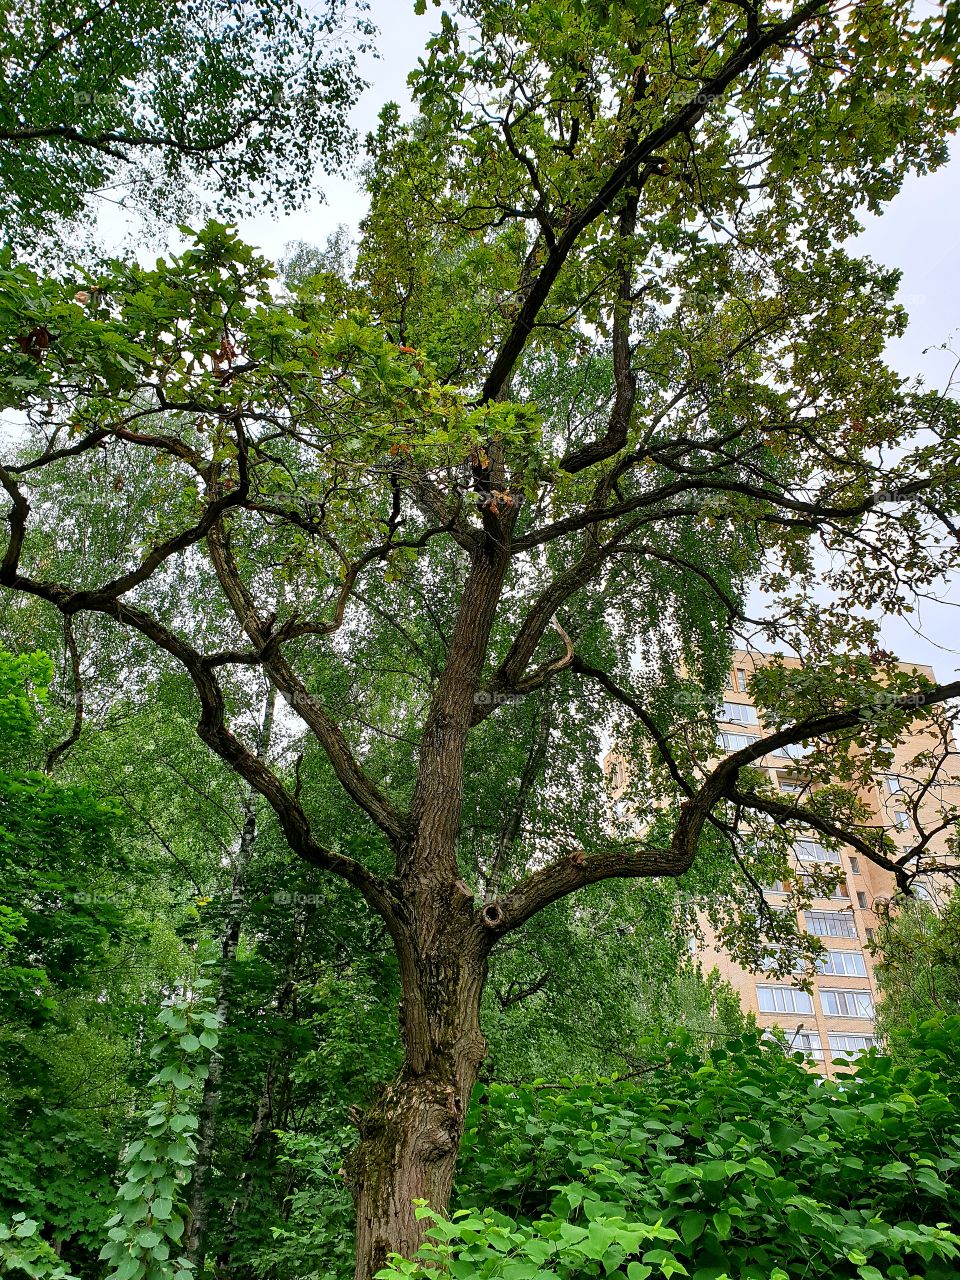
(742, 1165)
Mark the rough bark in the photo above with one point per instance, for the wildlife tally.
(410, 1137)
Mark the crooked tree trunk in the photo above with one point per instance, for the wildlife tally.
(410, 1138)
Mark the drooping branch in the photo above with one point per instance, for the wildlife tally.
(823, 726)
(640, 859)
(806, 817)
(510, 828)
(621, 695)
(213, 730)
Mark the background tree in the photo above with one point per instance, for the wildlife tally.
(163, 107)
(613, 366)
(917, 964)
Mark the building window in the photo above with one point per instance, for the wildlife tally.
(793, 787)
(861, 900)
(869, 933)
(837, 894)
(843, 964)
(783, 1000)
(739, 713)
(771, 959)
(792, 750)
(810, 851)
(741, 680)
(616, 774)
(846, 1004)
(894, 784)
(807, 1042)
(855, 866)
(830, 924)
(776, 886)
(734, 741)
(901, 819)
(798, 1041)
(850, 1046)
(729, 683)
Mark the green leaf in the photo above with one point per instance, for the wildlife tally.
(692, 1225)
(783, 1136)
(721, 1224)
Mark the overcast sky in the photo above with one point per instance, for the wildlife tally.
(917, 234)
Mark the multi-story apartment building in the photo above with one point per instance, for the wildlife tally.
(833, 1019)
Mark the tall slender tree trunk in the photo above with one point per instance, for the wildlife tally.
(195, 1233)
(210, 1105)
(268, 1116)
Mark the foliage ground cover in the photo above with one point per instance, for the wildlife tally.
(739, 1164)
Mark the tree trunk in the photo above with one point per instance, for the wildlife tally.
(194, 1236)
(268, 1116)
(410, 1138)
(210, 1105)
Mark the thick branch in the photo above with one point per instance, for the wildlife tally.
(569, 874)
(817, 822)
(565, 876)
(624, 380)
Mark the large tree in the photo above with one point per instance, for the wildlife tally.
(599, 364)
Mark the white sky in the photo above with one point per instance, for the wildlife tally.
(917, 234)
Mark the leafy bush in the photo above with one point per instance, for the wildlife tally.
(740, 1165)
(23, 1250)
